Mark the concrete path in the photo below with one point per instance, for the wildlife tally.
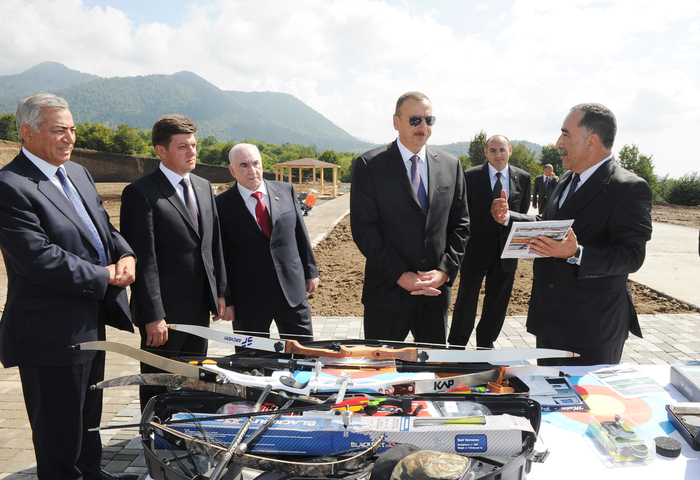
(672, 264)
(672, 267)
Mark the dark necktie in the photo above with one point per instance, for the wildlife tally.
(546, 181)
(498, 186)
(83, 214)
(572, 186)
(189, 203)
(418, 185)
(262, 216)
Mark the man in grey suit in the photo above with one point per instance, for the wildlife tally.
(409, 218)
(270, 265)
(580, 298)
(169, 218)
(67, 268)
(544, 186)
(482, 257)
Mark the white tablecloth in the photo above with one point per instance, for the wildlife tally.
(572, 457)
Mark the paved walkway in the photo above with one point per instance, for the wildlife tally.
(672, 265)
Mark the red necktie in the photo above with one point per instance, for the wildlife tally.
(262, 215)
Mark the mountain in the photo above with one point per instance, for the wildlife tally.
(40, 78)
(138, 101)
(462, 148)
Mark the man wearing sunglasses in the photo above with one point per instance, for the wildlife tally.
(409, 218)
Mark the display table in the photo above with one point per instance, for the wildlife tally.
(573, 457)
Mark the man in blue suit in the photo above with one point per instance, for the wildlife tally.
(270, 265)
(67, 268)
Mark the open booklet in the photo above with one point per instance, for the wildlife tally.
(521, 233)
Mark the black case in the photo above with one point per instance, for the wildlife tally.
(688, 432)
(487, 468)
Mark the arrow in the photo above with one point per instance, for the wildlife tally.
(409, 354)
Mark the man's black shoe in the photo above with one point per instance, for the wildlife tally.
(117, 476)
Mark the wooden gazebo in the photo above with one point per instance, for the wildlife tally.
(316, 183)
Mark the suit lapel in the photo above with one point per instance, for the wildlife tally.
(485, 181)
(202, 193)
(512, 188)
(238, 207)
(168, 191)
(399, 168)
(54, 195)
(274, 195)
(86, 190)
(433, 166)
(591, 188)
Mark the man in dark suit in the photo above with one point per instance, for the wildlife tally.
(269, 261)
(482, 256)
(580, 298)
(409, 218)
(67, 268)
(544, 186)
(169, 218)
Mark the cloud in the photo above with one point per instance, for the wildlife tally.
(509, 67)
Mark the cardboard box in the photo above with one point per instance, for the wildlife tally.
(499, 435)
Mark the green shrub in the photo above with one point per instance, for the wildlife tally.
(684, 191)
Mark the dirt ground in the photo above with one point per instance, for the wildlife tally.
(341, 268)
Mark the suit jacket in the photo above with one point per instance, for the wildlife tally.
(590, 305)
(178, 265)
(541, 194)
(254, 262)
(56, 286)
(392, 232)
(487, 236)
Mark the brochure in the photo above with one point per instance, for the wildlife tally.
(522, 232)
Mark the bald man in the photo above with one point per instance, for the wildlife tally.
(269, 260)
(482, 257)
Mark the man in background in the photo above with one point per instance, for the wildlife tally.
(580, 299)
(169, 218)
(544, 186)
(482, 257)
(409, 218)
(67, 269)
(269, 260)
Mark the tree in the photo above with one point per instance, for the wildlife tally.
(466, 163)
(476, 149)
(126, 140)
(524, 158)
(8, 128)
(94, 136)
(550, 155)
(684, 191)
(642, 165)
(329, 156)
(209, 141)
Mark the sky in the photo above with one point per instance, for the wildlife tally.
(511, 67)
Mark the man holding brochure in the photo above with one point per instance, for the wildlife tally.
(580, 298)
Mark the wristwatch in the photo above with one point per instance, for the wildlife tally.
(576, 258)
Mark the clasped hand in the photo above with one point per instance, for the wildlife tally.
(423, 283)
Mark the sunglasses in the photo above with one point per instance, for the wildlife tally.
(416, 120)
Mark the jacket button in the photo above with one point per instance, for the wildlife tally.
(422, 260)
(551, 285)
(272, 247)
